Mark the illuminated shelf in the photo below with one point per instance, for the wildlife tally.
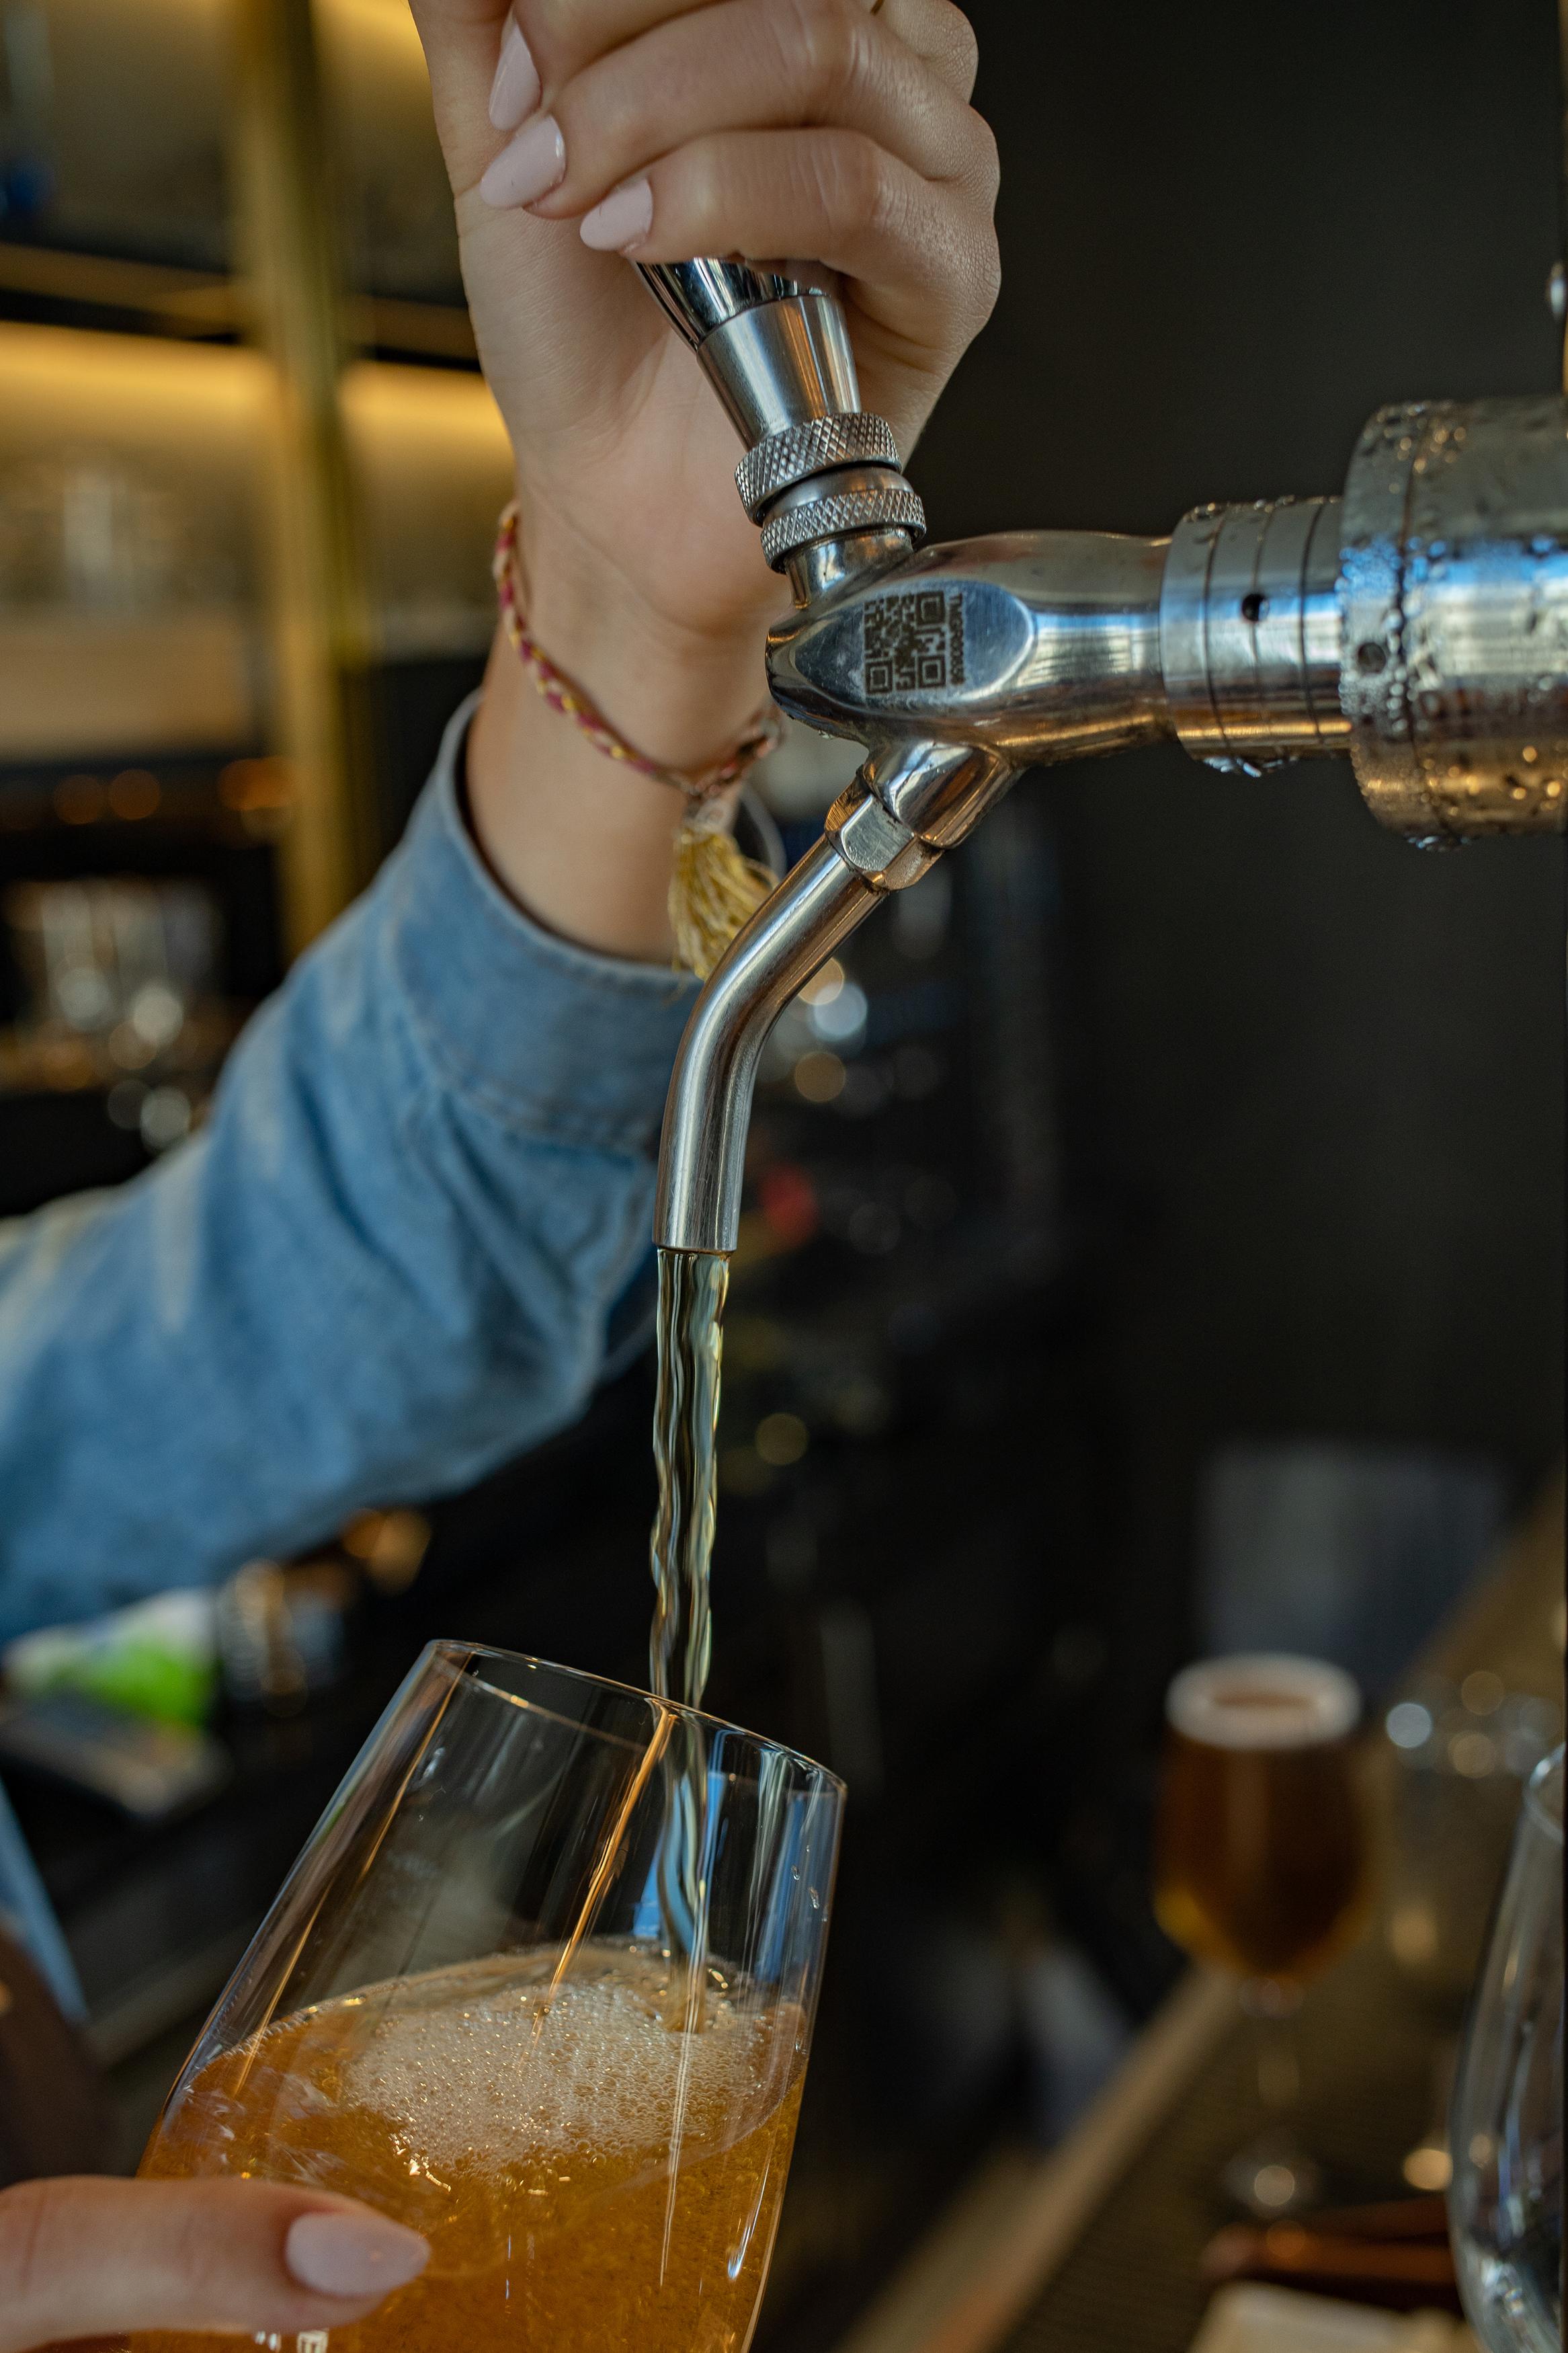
(85, 688)
(172, 438)
(247, 461)
(125, 117)
(433, 468)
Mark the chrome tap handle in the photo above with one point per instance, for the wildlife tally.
(818, 468)
(775, 351)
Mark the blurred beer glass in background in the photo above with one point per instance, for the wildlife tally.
(1261, 1864)
(1505, 2207)
(462, 2008)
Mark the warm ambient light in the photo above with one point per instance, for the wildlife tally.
(781, 1438)
(266, 784)
(80, 799)
(1428, 2168)
(820, 1077)
(191, 399)
(393, 413)
(134, 792)
(59, 381)
(388, 23)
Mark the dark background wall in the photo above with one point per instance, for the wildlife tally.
(1318, 1083)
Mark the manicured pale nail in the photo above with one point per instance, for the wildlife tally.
(622, 221)
(353, 2254)
(531, 163)
(514, 93)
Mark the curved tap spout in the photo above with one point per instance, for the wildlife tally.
(703, 1150)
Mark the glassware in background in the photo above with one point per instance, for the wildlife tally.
(122, 980)
(1462, 1755)
(1504, 2206)
(1456, 1759)
(93, 529)
(1261, 1866)
(459, 2009)
(282, 1632)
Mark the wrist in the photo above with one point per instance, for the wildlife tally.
(679, 687)
(583, 843)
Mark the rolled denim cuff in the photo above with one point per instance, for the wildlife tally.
(551, 1040)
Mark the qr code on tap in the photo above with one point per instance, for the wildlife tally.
(914, 642)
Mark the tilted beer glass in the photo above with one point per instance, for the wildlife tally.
(540, 1985)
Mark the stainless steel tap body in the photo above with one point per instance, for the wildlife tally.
(956, 670)
(1421, 623)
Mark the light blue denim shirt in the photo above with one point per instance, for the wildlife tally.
(411, 1237)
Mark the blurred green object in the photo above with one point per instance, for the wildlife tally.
(157, 1659)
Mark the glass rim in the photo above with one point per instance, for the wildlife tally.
(454, 1649)
(1535, 1804)
(1331, 1698)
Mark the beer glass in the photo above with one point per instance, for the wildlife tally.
(1505, 2203)
(468, 2008)
(1260, 1864)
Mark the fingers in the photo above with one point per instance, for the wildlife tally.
(81, 2256)
(942, 35)
(915, 255)
(565, 36)
(491, 68)
(739, 65)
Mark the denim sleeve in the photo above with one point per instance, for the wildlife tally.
(411, 1234)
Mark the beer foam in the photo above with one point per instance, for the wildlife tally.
(1266, 1700)
(511, 2074)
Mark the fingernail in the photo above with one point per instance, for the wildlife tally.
(531, 164)
(622, 221)
(514, 93)
(352, 2254)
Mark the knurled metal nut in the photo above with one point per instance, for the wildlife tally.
(855, 438)
(843, 512)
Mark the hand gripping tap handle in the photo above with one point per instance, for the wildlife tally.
(821, 475)
(818, 468)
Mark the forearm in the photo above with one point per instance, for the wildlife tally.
(397, 1254)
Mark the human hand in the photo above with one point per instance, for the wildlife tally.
(769, 127)
(85, 2256)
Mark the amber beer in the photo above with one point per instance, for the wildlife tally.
(591, 2177)
(1259, 1849)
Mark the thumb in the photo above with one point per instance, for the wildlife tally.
(84, 2256)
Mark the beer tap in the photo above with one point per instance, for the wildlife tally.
(1418, 622)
